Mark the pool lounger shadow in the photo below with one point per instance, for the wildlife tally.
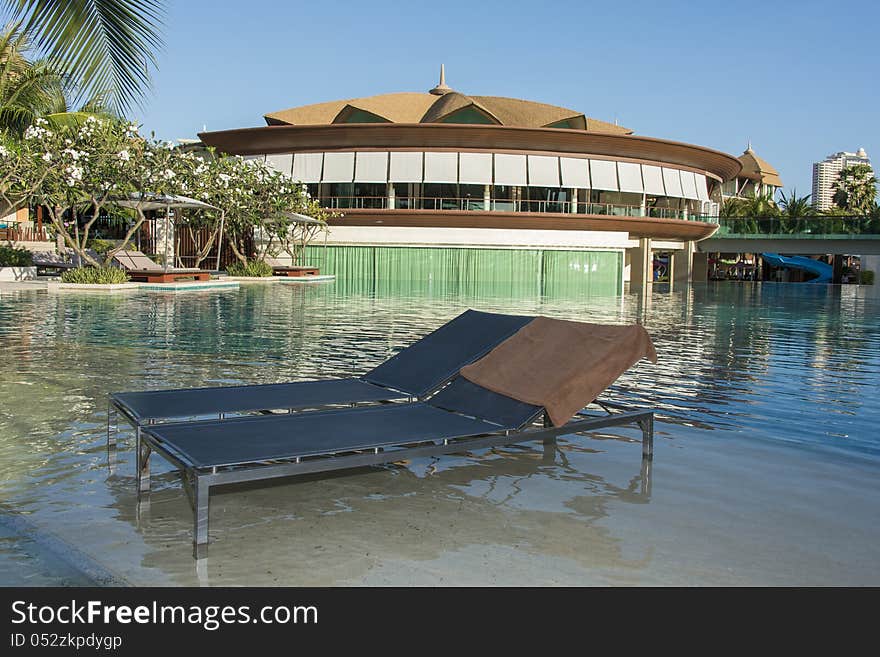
(411, 374)
(461, 417)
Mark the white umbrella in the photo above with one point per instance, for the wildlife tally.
(151, 201)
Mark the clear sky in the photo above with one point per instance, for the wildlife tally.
(798, 78)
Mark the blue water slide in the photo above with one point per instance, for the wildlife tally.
(823, 272)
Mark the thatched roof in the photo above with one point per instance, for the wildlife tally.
(411, 107)
(755, 168)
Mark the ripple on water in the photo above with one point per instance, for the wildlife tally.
(785, 364)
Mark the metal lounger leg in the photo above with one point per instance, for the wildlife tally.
(112, 430)
(647, 426)
(548, 423)
(142, 455)
(202, 491)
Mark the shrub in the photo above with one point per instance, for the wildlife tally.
(256, 268)
(95, 275)
(13, 257)
(101, 246)
(867, 277)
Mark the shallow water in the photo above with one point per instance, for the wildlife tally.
(765, 468)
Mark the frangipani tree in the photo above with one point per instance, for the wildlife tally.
(78, 171)
(18, 180)
(257, 198)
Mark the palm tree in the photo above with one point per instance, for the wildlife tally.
(100, 44)
(792, 208)
(855, 189)
(27, 89)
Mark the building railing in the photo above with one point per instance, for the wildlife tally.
(503, 205)
(22, 233)
(800, 226)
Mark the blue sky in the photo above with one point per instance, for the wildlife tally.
(797, 78)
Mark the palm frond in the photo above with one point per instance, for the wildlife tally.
(102, 44)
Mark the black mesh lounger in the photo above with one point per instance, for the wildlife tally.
(462, 416)
(412, 373)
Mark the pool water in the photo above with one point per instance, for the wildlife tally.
(765, 471)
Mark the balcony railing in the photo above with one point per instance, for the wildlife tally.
(800, 227)
(501, 205)
(22, 233)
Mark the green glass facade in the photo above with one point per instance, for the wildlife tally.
(472, 271)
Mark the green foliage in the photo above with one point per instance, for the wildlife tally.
(867, 277)
(855, 189)
(27, 87)
(95, 275)
(100, 45)
(12, 257)
(256, 268)
(101, 246)
(760, 205)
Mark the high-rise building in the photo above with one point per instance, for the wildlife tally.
(825, 175)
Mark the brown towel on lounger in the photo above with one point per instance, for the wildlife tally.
(560, 365)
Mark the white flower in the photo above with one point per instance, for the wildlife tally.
(47, 157)
(124, 156)
(168, 174)
(74, 175)
(3, 151)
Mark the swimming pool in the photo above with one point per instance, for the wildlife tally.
(765, 470)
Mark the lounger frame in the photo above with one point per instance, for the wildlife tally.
(199, 480)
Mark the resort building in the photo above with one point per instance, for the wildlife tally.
(825, 174)
(756, 178)
(442, 180)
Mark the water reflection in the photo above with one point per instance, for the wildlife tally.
(412, 510)
(768, 362)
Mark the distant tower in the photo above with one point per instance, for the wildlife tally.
(825, 174)
(441, 88)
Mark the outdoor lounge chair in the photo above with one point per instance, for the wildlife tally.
(462, 416)
(280, 269)
(140, 268)
(48, 262)
(412, 373)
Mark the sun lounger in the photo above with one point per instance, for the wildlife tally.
(280, 269)
(412, 373)
(218, 452)
(140, 268)
(51, 262)
(461, 416)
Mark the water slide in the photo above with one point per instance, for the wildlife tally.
(823, 272)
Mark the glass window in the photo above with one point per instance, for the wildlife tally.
(440, 196)
(504, 198)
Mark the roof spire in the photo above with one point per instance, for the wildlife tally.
(749, 147)
(441, 88)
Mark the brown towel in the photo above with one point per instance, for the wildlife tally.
(561, 365)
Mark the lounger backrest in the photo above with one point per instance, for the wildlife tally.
(135, 261)
(425, 365)
(462, 396)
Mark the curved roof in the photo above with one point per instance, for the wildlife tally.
(754, 168)
(445, 136)
(447, 107)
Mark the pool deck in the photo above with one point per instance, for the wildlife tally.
(321, 278)
(54, 285)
